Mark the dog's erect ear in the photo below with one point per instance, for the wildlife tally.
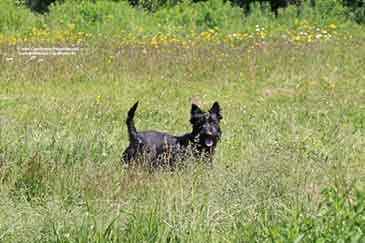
(196, 114)
(195, 110)
(216, 110)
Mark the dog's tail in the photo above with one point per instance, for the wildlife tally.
(132, 131)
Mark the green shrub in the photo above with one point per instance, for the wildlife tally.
(329, 9)
(13, 16)
(355, 9)
(201, 16)
(154, 5)
(99, 16)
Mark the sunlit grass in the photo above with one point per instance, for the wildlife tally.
(293, 126)
(289, 167)
(304, 33)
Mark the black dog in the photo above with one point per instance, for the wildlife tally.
(161, 149)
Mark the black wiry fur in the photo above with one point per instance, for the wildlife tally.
(162, 149)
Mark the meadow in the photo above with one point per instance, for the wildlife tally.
(290, 165)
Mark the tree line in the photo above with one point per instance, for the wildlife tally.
(356, 7)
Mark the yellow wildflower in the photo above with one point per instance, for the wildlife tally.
(332, 26)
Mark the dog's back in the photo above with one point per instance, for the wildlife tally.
(149, 143)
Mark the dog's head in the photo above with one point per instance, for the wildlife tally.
(206, 129)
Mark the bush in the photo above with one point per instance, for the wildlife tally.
(13, 16)
(201, 16)
(355, 10)
(101, 16)
(154, 5)
(329, 9)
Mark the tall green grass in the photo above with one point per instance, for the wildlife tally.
(289, 166)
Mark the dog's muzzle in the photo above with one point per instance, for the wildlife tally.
(208, 140)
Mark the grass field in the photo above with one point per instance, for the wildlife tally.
(294, 121)
(289, 168)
